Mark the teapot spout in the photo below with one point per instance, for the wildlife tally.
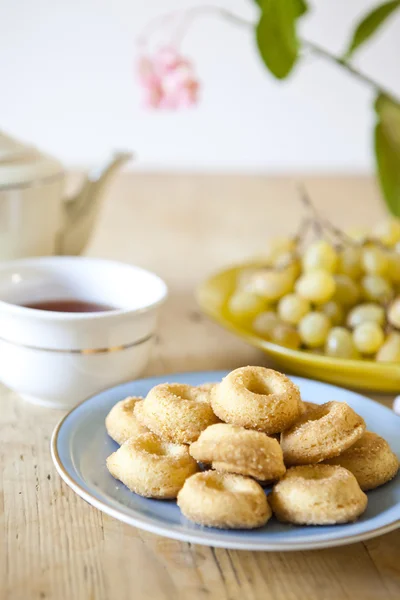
(81, 210)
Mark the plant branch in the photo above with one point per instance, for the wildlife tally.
(192, 13)
(314, 48)
(230, 16)
(317, 50)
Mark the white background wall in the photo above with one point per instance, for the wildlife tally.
(67, 83)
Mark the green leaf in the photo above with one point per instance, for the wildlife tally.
(387, 150)
(276, 34)
(369, 24)
(300, 6)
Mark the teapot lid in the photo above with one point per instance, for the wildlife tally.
(22, 165)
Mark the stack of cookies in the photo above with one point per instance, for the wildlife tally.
(215, 447)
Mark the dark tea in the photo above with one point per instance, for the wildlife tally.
(69, 305)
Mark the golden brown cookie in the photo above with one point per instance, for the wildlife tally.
(151, 467)
(257, 398)
(233, 449)
(224, 500)
(320, 433)
(176, 412)
(309, 406)
(370, 459)
(317, 495)
(121, 422)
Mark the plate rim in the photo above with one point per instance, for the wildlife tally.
(164, 531)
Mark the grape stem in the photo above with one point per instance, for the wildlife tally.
(376, 241)
(319, 222)
(315, 217)
(302, 230)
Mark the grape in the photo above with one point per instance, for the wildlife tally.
(320, 255)
(284, 260)
(339, 343)
(245, 276)
(377, 288)
(365, 313)
(349, 262)
(277, 247)
(334, 312)
(270, 284)
(388, 231)
(358, 234)
(368, 337)
(292, 308)
(313, 329)
(286, 335)
(304, 301)
(347, 291)
(374, 260)
(394, 267)
(390, 350)
(293, 270)
(316, 351)
(264, 323)
(243, 305)
(316, 286)
(394, 313)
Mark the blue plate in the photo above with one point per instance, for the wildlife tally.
(80, 446)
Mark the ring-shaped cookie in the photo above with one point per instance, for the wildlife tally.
(176, 412)
(206, 387)
(320, 433)
(121, 422)
(370, 459)
(224, 500)
(151, 467)
(308, 406)
(317, 495)
(257, 398)
(232, 449)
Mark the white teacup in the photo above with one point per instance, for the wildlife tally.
(58, 359)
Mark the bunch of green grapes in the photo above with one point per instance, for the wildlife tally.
(340, 298)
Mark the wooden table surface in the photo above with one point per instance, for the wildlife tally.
(55, 546)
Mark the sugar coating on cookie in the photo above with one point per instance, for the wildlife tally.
(370, 459)
(177, 412)
(206, 387)
(257, 398)
(320, 433)
(317, 495)
(238, 450)
(151, 467)
(121, 422)
(224, 500)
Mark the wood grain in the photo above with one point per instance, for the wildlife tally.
(55, 546)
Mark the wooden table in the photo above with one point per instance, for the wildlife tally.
(55, 546)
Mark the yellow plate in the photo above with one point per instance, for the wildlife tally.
(212, 296)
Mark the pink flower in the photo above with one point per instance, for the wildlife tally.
(153, 96)
(166, 59)
(168, 80)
